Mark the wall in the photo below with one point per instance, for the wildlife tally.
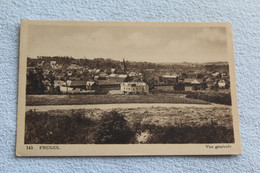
(244, 15)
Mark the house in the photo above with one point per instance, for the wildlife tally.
(97, 71)
(119, 71)
(53, 64)
(133, 74)
(224, 75)
(102, 74)
(134, 87)
(65, 89)
(91, 85)
(150, 70)
(112, 76)
(169, 79)
(74, 67)
(191, 84)
(100, 79)
(113, 70)
(109, 71)
(47, 85)
(165, 88)
(222, 84)
(108, 86)
(59, 83)
(210, 82)
(91, 70)
(40, 64)
(117, 78)
(216, 74)
(69, 73)
(122, 77)
(60, 76)
(79, 84)
(45, 73)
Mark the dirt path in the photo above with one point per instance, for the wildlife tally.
(114, 106)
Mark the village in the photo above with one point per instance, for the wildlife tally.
(54, 77)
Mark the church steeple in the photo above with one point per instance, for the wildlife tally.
(123, 66)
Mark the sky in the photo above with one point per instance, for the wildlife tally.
(140, 42)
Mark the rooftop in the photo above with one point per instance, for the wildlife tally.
(76, 83)
(169, 76)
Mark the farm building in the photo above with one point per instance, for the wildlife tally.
(192, 84)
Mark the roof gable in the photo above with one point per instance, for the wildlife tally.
(193, 81)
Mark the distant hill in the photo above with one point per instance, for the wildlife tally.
(216, 63)
(103, 63)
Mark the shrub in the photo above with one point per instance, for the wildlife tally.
(48, 128)
(214, 97)
(207, 133)
(113, 129)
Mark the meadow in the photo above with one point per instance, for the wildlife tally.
(183, 97)
(130, 125)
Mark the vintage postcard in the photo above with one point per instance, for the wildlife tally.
(126, 88)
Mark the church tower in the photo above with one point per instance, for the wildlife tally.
(123, 65)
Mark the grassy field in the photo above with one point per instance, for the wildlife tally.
(130, 125)
(35, 100)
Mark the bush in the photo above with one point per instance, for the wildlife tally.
(214, 97)
(47, 128)
(207, 133)
(113, 129)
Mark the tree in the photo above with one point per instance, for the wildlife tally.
(149, 79)
(113, 129)
(35, 82)
(51, 79)
(203, 86)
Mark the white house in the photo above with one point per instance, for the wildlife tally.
(134, 87)
(222, 84)
(53, 64)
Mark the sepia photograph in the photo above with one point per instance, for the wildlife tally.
(126, 88)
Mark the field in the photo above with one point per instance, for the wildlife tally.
(130, 125)
(34, 100)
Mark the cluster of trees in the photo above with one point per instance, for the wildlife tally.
(220, 98)
(37, 83)
(66, 61)
(109, 63)
(44, 128)
(217, 67)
